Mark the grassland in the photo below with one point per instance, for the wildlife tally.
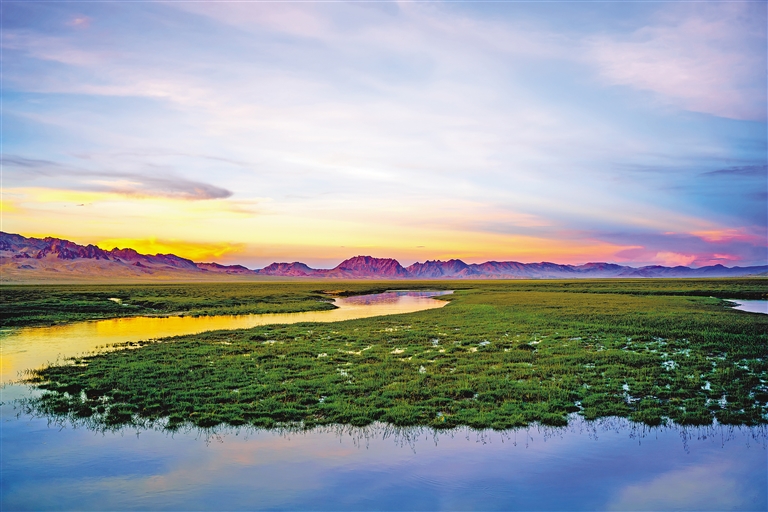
(501, 354)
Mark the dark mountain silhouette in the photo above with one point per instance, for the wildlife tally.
(28, 257)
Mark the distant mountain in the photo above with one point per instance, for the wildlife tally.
(294, 269)
(227, 269)
(23, 258)
(366, 267)
(436, 269)
(362, 267)
(46, 255)
(165, 260)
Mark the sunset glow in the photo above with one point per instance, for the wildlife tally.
(248, 133)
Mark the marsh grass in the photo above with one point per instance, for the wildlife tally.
(501, 355)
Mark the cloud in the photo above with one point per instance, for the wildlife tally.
(732, 235)
(196, 251)
(118, 182)
(147, 186)
(54, 48)
(744, 171)
(430, 116)
(673, 259)
(724, 246)
(693, 488)
(9, 206)
(79, 22)
(711, 60)
(301, 20)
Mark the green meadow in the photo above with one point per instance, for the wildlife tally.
(501, 354)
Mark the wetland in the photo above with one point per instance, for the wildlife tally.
(634, 384)
(501, 355)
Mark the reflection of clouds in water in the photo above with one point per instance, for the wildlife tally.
(391, 297)
(367, 300)
(713, 486)
(381, 467)
(752, 306)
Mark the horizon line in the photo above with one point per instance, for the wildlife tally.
(628, 265)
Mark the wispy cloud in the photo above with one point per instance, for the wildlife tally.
(125, 183)
(726, 247)
(712, 60)
(175, 188)
(745, 171)
(196, 251)
(80, 21)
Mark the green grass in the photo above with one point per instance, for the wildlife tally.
(501, 354)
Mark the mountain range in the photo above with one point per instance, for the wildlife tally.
(25, 258)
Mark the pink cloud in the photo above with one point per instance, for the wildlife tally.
(730, 235)
(711, 61)
(670, 258)
(673, 259)
(79, 22)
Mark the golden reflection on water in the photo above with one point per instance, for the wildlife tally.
(33, 347)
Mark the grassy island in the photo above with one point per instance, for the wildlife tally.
(502, 354)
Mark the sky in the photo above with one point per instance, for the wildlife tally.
(253, 132)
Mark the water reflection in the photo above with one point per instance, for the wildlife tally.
(33, 347)
(752, 306)
(392, 297)
(609, 464)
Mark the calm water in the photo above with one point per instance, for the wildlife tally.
(753, 306)
(611, 464)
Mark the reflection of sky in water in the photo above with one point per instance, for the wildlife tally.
(392, 297)
(607, 465)
(33, 347)
(753, 306)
